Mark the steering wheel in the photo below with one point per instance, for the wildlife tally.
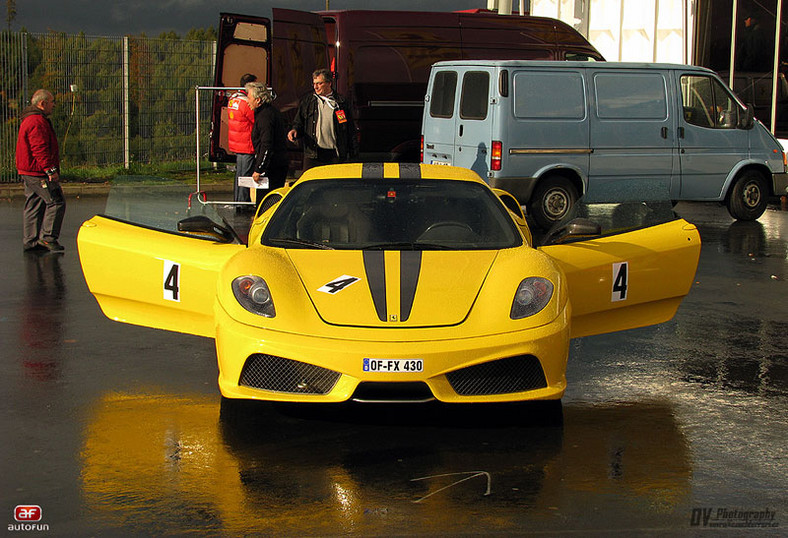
(448, 224)
(449, 230)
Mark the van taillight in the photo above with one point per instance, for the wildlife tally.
(497, 149)
(421, 149)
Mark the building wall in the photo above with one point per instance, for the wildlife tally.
(629, 30)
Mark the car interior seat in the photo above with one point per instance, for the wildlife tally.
(331, 219)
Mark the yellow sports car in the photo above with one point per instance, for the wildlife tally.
(390, 282)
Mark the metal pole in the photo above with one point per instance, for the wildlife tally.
(24, 71)
(656, 29)
(126, 159)
(621, 31)
(197, 131)
(213, 70)
(734, 16)
(684, 32)
(775, 73)
(587, 26)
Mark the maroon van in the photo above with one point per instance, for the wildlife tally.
(381, 61)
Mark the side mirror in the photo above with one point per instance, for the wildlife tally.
(575, 228)
(203, 226)
(747, 117)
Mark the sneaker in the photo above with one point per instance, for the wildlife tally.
(35, 247)
(52, 246)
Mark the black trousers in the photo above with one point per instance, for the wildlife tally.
(324, 156)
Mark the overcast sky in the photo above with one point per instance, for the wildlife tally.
(119, 17)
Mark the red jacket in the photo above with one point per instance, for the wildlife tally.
(36, 147)
(240, 120)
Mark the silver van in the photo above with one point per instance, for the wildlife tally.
(549, 132)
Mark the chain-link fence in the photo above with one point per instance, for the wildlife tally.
(120, 100)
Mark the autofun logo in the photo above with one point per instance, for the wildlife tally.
(28, 518)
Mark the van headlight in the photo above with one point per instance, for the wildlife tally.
(253, 294)
(531, 297)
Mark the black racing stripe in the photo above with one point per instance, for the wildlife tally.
(409, 268)
(375, 268)
(372, 171)
(410, 171)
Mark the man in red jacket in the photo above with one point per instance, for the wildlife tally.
(240, 120)
(38, 163)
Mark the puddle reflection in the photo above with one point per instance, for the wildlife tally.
(41, 316)
(156, 463)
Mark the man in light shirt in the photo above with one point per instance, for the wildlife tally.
(324, 124)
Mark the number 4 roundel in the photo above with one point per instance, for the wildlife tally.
(338, 284)
(620, 281)
(171, 274)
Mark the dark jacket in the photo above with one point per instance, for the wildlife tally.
(269, 138)
(305, 124)
(36, 147)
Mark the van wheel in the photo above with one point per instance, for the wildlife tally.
(748, 197)
(552, 200)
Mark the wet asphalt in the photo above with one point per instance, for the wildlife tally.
(114, 430)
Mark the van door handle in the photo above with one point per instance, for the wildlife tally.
(664, 132)
(461, 129)
(681, 132)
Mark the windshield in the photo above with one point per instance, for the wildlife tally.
(399, 214)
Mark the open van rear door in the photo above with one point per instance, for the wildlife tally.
(300, 47)
(244, 46)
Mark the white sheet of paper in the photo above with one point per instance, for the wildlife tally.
(248, 182)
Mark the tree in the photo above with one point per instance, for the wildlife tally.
(10, 12)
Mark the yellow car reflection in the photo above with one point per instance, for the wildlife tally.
(157, 463)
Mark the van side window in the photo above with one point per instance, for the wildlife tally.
(475, 95)
(707, 103)
(637, 96)
(549, 94)
(442, 99)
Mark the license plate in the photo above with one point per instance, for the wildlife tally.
(439, 162)
(403, 366)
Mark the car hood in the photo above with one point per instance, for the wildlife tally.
(392, 288)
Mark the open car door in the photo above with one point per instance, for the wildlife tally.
(632, 272)
(143, 271)
(243, 46)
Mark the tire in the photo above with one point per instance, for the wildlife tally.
(748, 197)
(551, 201)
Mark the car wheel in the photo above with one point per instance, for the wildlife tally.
(748, 197)
(551, 201)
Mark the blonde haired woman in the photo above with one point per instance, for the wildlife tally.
(269, 138)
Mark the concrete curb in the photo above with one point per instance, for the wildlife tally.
(77, 190)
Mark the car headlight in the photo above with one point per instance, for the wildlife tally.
(253, 294)
(531, 297)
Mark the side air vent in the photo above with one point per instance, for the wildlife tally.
(514, 374)
(284, 375)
